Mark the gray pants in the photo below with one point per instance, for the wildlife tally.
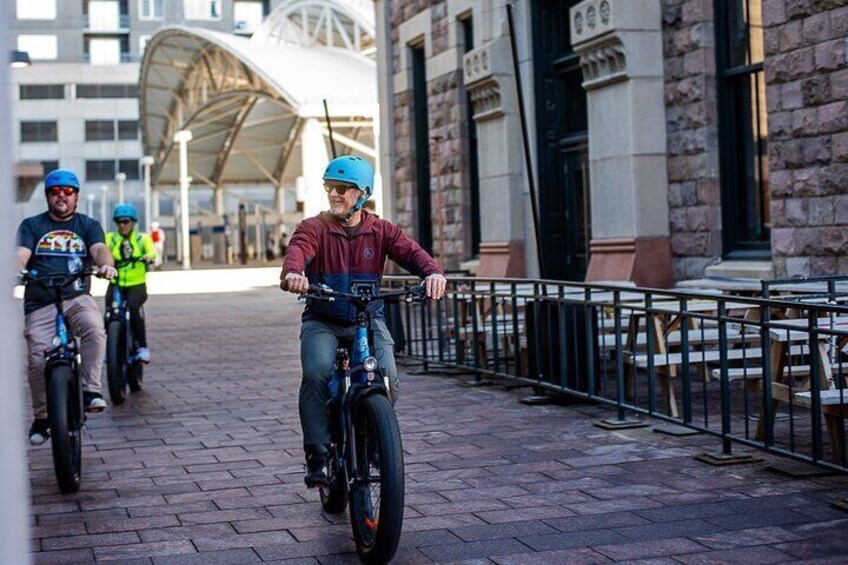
(86, 320)
(318, 344)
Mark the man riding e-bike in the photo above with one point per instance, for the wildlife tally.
(339, 248)
(62, 241)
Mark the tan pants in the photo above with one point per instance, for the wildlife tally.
(86, 321)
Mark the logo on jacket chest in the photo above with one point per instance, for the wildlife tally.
(368, 253)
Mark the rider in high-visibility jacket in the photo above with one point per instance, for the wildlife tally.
(133, 251)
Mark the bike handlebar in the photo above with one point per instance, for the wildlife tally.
(323, 292)
(130, 261)
(52, 282)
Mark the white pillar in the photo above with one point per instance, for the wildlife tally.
(146, 163)
(377, 197)
(260, 243)
(121, 178)
(218, 200)
(90, 209)
(315, 159)
(384, 141)
(621, 56)
(154, 202)
(280, 200)
(14, 491)
(183, 137)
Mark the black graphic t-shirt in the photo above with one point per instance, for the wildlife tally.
(58, 248)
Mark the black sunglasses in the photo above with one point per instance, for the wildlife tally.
(339, 188)
(123, 221)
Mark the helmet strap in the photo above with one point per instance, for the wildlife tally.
(356, 208)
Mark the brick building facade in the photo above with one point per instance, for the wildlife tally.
(753, 121)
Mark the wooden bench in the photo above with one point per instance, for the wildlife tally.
(756, 373)
(697, 338)
(833, 405)
(707, 356)
(784, 339)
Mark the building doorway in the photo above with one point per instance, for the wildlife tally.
(562, 140)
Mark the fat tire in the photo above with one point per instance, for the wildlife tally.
(135, 376)
(116, 366)
(334, 494)
(374, 415)
(66, 437)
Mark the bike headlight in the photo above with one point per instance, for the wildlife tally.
(370, 364)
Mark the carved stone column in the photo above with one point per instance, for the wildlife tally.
(487, 75)
(620, 48)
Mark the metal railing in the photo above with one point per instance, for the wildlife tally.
(759, 372)
(105, 24)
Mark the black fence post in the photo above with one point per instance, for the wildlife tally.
(621, 421)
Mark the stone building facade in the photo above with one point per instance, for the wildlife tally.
(702, 137)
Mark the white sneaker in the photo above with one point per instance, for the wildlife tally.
(39, 432)
(143, 355)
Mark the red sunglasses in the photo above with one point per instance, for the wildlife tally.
(66, 190)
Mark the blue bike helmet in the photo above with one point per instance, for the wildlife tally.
(356, 171)
(125, 211)
(61, 177)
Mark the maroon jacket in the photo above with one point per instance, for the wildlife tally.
(322, 249)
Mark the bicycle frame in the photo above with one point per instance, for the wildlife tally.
(65, 348)
(65, 344)
(356, 373)
(119, 310)
(352, 383)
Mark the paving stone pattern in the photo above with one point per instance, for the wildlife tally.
(204, 467)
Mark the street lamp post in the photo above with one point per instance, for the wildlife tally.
(183, 137)
(146, 163)
(104, 206)
(121, 178)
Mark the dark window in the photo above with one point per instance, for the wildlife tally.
(39, 131)
(130, 168)
(743, 131)
(473, 164)
(100, 170)
(107, 91)
(42, 91)
(49, 166)
(422, 148)
(99, 130)
(128, 129)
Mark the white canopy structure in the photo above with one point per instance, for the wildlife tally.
(254, 106)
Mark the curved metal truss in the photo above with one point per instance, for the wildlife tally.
(245, 123)
(221, 100)
(344, 24)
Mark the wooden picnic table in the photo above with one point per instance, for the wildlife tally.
(824, 354)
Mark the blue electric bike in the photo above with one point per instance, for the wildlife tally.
(65, 413)
(122, 364)
(366, 453)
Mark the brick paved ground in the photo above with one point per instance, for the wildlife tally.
(204, 467)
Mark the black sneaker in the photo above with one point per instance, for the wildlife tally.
(316, 469)
(39, 431)
(93, 401)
